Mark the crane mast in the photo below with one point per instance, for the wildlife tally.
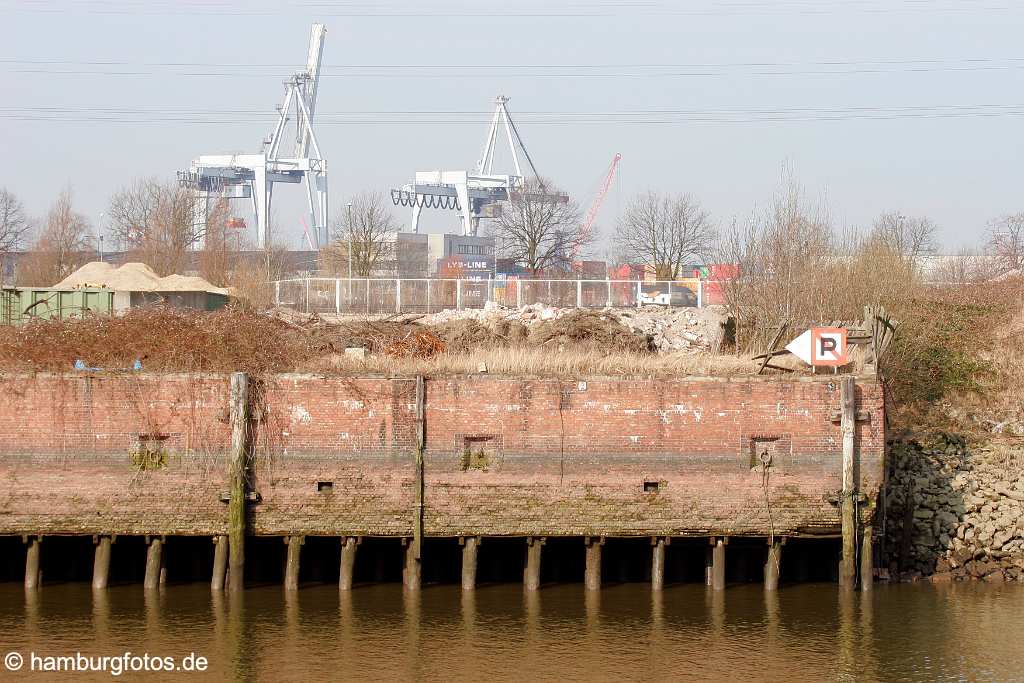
(595, 207)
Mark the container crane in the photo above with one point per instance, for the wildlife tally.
(474, 193)
(253, 175)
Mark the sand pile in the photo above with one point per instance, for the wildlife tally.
(133, 277)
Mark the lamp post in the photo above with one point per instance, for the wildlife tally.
(99, 236)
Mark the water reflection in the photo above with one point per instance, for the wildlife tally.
(563, 632)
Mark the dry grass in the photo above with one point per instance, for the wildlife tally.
(535, 362)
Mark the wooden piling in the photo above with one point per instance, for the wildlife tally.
(154, 563)
(718, 564)
(349, 545)
(101, 562)
(291, 567)
(469, 553)
(848, 416)
(658, 563)
(220, 563)
(239, 412)
(592, 574)
(412, 573)
(867, 560)
(773, 564)
(531, 574)
(32, 559)
(421, 443)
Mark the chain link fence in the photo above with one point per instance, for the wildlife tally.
(376, 296)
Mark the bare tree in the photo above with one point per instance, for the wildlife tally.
(158, 223)
(540, 228)
(363, 236)
(665, 232)
(1006, 242)
(911, 238)
(61, 247)
(14, 226)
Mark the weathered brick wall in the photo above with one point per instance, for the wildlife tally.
(504, 456)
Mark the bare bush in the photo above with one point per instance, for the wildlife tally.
(540, 229)
(362, 238)
(795, 268)
(61, 246)
(665, 232)
(910, 238)
(1006, 243)
(158, 223)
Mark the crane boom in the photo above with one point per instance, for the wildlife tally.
(595, 207)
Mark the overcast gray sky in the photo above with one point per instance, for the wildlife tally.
(877, 105)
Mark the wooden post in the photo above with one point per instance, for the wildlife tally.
(531, 574)
(469, 552)
(220, 562)
(101, 562)
(772, 565)
(291, 567)
(32, 558)
(421, 441)
(349, 545)
(412, 574)
(592, 575)
(848, 416)
(658, 563)
(718, 564)
(867, 560)
(239, 475)
(154, 563)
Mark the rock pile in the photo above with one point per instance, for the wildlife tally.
(956, 513)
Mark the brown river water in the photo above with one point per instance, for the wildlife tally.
(805, 632)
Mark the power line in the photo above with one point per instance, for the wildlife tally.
(650, 117)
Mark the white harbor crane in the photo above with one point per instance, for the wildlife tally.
(253, 175)
(477, 193)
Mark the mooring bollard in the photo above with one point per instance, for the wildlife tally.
(718, 564)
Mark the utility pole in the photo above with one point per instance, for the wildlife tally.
(349, 226)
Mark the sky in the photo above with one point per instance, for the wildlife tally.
(874, 105)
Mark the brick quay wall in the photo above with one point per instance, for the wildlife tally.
(136, 454)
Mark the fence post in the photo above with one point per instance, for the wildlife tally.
(579, 293)
(700, 294)
(608, 302)
(519, 293)
(670, 294)
(428, 295)
(490, 289)
(337, 295)
(398, 295)
(367, 296)
(277, 293)
(307, 295)
(458, 294)
(549, 294)
(639, 291)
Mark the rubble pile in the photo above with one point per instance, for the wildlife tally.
(956, 513)
(666, 329)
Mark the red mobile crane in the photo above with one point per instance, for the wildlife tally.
(595, 207)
